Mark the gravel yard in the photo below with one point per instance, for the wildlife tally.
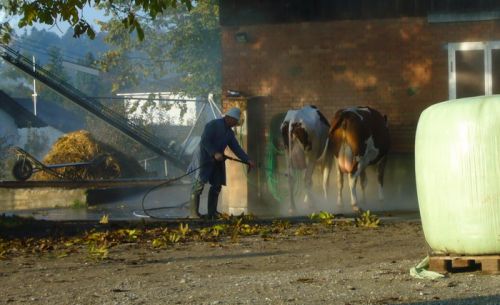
(325, 265)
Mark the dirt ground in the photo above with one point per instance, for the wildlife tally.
(339, 264)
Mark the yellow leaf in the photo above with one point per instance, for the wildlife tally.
(158, 243)
(61, 255)
(104, 219)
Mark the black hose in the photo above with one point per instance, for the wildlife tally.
(169, 181)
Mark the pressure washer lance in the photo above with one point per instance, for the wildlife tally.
(257, 166)
(226, 157)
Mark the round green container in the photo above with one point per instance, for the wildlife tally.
(457, 165)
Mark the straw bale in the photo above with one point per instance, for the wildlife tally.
(81, 146)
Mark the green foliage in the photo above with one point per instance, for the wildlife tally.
(52, 11)
(367, 220)
(182, 47)
(323, 217)
(304, 230)
(214, 232)
(235, 230)
(36, 43)
(55, 66)
(98, 251)
(98, 245)
(5, 31)
(184, 230)
(78, 204)
(128, 235)
(173, 237)
(158, 243)
(194, 48)
(89, 84)
(104, 219)
(280, 226)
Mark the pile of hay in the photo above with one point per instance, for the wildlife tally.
(80, 146)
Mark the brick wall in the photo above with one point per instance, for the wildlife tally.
(399, 66)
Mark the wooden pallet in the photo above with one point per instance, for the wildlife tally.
(489, 264)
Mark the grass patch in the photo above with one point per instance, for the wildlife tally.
(78, 204)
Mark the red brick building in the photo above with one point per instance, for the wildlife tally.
(389, 54)
(398, 56)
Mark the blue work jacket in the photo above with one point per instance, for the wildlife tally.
(216, 136)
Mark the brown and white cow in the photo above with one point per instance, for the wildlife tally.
(305, 134)
(358, 137)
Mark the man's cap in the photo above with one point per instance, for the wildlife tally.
(235, 113)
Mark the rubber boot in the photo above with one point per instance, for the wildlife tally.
(213, 198)
(194, 206)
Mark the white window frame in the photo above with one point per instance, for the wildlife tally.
(486, 46)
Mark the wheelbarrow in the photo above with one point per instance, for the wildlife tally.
(26, 164)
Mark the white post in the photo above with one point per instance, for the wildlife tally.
(34, 88)
(213, 104)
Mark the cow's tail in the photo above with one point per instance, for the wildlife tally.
(324, 154)
(289, 165)
(326, 160)
(345, 158)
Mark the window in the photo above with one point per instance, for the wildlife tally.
(474, 69)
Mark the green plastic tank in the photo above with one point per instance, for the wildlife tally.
(457, 165)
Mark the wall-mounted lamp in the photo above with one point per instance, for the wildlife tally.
(241, 37)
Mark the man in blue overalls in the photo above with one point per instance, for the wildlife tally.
(209, 156)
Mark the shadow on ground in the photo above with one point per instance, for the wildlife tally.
(486, 300)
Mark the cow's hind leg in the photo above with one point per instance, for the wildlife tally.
(291, 190)
(308, 183)
(380, 177)
(353, 178)
(363, 181)
(340, 185)
(327, 167)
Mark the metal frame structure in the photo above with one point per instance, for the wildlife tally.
(108, 115)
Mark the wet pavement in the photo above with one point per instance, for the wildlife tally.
(166, 202)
